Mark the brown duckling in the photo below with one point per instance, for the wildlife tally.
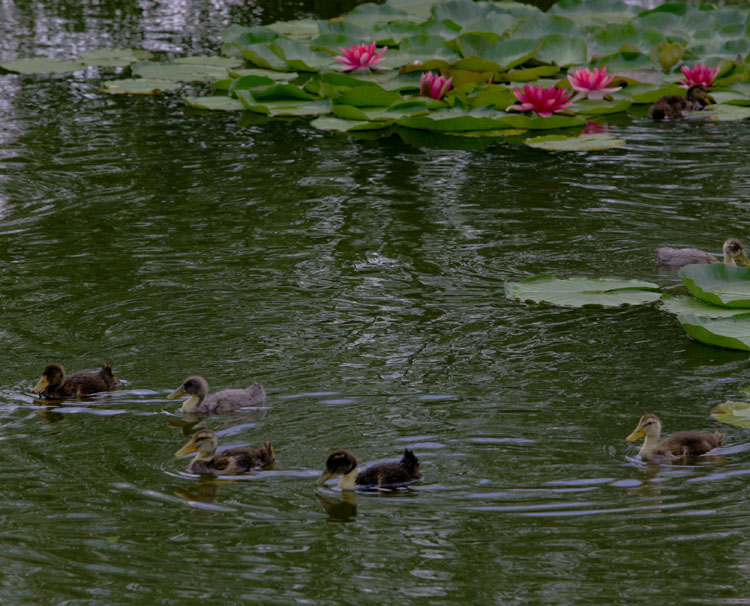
(678, 445)
(228, 462)
(54, 385)
(732, 251)
(226, 400)
(674, 106)
(380, 476)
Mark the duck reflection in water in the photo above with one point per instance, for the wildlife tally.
(339, 507)
(205, 490)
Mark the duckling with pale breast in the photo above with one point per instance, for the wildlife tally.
(380, 476)
(54, 385)
(732, 251)
(678, 445)
(674, 106)
(230, 461)
(221, 402)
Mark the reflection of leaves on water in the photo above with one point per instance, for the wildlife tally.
(340, 508)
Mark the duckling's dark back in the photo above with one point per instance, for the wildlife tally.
(391, 475)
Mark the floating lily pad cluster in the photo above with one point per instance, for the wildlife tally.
(486, 50)
(717, 313)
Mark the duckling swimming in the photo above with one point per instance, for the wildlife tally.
(674, 106)
(231, 461)
(221, 402)
(732, 250)
(54, 385)
(380, 476)
(678, 445)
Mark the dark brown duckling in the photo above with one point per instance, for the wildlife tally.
(221, 402)
(674, 106)
(54, 385)
(380, 476)
(229, 462)
(678, 445)
(732, 251)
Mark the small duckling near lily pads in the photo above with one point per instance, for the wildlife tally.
(674, 106)
(55, 385)
(224, 401)
(382, 476)
(231, 461)
(678, 445)
(732, 251)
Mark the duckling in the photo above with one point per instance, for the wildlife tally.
(226, 400)
(380, 476)
(54, 385)
(229, 462)
(674, 106)
(732, 250)
(678, 445)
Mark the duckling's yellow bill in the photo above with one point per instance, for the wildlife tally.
(324, 477)
(189, 448)
(742, 258)
(637, 434)
(41, 385)
(176, 393)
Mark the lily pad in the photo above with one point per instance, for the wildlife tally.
(732, 413)
(179, 71)
(580, 143)
(730, 333)
(113, 57)
(728, 113)
(215, 103)
(684, 305)
(41, 65)
(347, 126)
(139, 86)
(580, 292)
(718, 283)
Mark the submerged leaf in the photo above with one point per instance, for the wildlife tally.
(579, 292)
(732, 413)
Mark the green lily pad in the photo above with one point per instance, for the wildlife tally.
(369, 96)
(728, 113)
(730, 333)
(484, 118)
(347, 126)
(600, 108)
(284, 107)
(595, 12)
(685, 305)
(645, 93)
(563, 50)
(179, 71)
(580, 292)
(211, 60)
(718, 283)
(113, 57)
(41, 65)
(215, 103)
(139, 86)
(732, 413)
(299, 29)
(580, 143)
(263, 73)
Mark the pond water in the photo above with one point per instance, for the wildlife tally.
(362, 283)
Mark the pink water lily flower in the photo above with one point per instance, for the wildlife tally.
(700, 73)
(544, 101)
(591, 83)
(361, 58)
(434, 86)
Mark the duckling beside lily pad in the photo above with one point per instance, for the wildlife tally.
(732, 251)
(674, 106)
(55, 385)
(376, 477)
(228, 462)
(221, 402)
(678, 445)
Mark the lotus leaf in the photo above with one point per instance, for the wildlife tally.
(300, 29)
(264, 73)
(181, 72)
(563, 50)
(731, 333)
(285, 107)
(644, 93)
(216, 103)
(245, 36)
(543, 24)
(718, 283)
(41, 65)
(113, 57)
(580, 143)
(497, 23)
(248, 82)
(504, 55)
(463, 12)
(300, 57)
(369, 96)
(617, 37)
(347, 126)
(139, 86)
(595, 12)
(260, 54)
(579, 292)
(368, 14)
(418, 10)
(684, 305)
(600, 108)
(211, 60)
(732, 413)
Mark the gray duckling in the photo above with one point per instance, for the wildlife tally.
(732, 251)
(224, 401)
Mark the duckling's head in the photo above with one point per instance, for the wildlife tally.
(196, 387)
(53, 375)
(339, 462)
(204, 441)
(734, 251)
(699, 94)
(649, 427)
